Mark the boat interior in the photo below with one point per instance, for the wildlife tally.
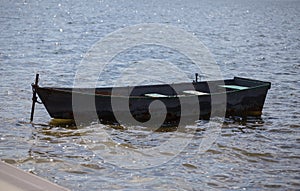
(203, 88)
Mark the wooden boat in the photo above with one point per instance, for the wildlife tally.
(240, 96)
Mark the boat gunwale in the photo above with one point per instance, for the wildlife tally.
(63, 90)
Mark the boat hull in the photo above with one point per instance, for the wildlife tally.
(239, 97)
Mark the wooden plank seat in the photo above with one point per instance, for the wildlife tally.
(156, 95)
(236, 87)
(194, 92)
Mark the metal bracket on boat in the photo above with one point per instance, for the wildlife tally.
(34, 97)
(196, 78)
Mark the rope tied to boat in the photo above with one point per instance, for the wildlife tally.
(34, 97)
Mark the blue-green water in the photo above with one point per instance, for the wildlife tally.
(256, 39)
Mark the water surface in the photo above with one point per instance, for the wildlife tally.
(255, 39)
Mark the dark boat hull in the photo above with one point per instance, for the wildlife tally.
(242, 97)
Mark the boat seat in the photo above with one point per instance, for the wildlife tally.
(156, 95)
(162, 95)
(236, 87)
(194, 92)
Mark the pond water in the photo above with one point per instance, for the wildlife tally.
(255, 39)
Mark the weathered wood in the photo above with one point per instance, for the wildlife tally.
(14, 179)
